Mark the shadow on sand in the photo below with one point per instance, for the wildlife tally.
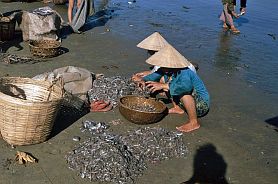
(99, 19)
(67, 115)
(209, 167)
(17, 38)
(273, 121)
(5, 45)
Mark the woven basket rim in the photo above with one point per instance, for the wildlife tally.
(158, 101)
(19, 101)
(33, 46)
(1, 21)
(4, 22)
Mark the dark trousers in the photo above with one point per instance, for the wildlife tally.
(242, 3)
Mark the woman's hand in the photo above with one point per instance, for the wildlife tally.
(157, 86)
(137, 78)
(144, 73)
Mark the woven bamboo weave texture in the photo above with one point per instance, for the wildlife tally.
(28, 109)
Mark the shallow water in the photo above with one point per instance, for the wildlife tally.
(194, 29)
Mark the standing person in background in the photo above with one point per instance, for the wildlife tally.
(70, 8)
(227, 15)
(242, 6)
(84, 9)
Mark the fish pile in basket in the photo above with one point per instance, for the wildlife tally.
(121, 158)
(110, 89)
(144, 107)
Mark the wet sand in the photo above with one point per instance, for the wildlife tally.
(235, 139)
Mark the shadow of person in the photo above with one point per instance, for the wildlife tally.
(209, 167)
(273, 121)
(241, 20)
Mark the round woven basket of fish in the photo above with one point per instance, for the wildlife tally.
(45, 48)
(142, 110)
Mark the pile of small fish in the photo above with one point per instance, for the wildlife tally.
(121, 158)
(155, 144)
(110, 89)
(105, 158)
(93, 127)
(43, 11)
(143, 107)
(12, 59)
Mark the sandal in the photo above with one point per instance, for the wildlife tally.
(235, 31)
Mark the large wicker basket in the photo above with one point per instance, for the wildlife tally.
(28, 109)
(7, 28)
(45, 48)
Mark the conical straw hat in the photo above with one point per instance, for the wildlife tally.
(168, 57)
(153, 42)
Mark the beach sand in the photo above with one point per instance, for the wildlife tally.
(235, 139)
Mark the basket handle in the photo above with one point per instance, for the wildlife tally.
(59, 81)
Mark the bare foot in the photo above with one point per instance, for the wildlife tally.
(225, 26)
(188, 127)
(176, 110)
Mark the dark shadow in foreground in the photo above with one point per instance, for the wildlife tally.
(67, 115)
(209, 167)
(272, 121)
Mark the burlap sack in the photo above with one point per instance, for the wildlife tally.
(36, 27)
(77, 81)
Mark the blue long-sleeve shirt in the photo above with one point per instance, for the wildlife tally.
(183, 82)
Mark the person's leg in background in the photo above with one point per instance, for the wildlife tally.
(243, 6)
